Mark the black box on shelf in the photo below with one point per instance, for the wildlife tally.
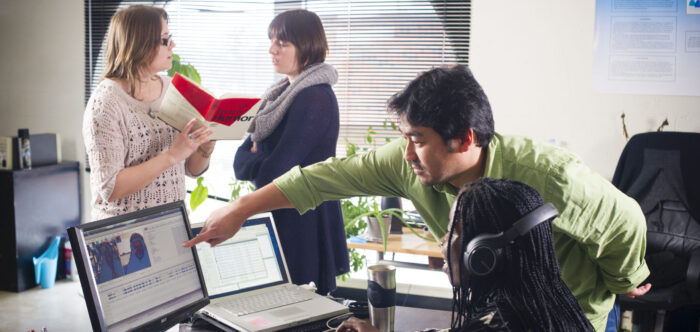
(45, 150)
(36, 205)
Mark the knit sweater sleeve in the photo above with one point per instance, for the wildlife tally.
(104, 133)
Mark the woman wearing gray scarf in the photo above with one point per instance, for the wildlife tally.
(297, 126)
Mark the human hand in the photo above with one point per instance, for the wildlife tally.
(221, 225)
(639, 291)
(356, 324)
(206, 149)
(187, 141)
(254, 149)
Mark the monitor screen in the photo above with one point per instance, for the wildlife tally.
(251, 259)
(134, 272)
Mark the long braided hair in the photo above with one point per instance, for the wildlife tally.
(526, 289)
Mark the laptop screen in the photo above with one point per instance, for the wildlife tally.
(251, 259)
(134, 271)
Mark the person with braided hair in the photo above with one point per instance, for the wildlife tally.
(525, 292)
(448, 141)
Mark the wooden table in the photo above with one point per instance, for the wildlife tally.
(407, 243)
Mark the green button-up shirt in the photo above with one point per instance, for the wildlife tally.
(599, 236)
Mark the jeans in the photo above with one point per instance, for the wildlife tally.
(613, 319)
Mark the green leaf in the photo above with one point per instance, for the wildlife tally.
(186, 70)
(199, 194)
(189, 71)
(175, 67)
(350, 148)
(239, 188)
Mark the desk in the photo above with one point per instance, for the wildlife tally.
(62, 308)
(407, 243)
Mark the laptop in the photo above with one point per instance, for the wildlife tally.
(249, 284)
(134, 272)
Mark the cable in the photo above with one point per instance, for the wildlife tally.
(335, 322)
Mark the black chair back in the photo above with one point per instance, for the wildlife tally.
(661, 170)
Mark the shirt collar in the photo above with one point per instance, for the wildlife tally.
(446, 188)
(494, 158)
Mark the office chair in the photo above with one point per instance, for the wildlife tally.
(661, 170)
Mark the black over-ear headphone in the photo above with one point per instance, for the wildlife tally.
(484, 251)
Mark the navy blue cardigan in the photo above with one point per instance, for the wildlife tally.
(313, 243)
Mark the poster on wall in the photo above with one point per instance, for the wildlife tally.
(647, 47)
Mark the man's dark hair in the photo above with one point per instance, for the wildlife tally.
(527, 290)
(448, 100)
(303, 29)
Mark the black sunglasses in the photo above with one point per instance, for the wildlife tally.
(167, 41)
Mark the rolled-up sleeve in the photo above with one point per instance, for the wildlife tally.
(620, 254)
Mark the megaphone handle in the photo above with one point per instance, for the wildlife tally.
(37, 269)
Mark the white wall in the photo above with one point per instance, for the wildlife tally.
(42, 73)
(534, 59)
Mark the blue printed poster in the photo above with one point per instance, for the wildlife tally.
(647, 47)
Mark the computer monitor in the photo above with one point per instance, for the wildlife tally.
(250, 260)
(135, 274)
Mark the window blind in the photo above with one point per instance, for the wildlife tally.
(376, 46)
(379, 46)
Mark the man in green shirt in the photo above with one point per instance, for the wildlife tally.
(448, 141)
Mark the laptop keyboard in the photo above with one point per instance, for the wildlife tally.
(266, 300)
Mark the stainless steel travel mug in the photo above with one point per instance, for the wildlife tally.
(381, 295)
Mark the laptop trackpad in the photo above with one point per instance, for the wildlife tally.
(291, 311)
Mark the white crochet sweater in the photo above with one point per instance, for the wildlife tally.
(118, 133)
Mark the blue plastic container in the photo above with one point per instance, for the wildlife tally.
(45, 266)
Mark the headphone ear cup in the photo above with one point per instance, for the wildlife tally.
(482, 255)
(484, 252)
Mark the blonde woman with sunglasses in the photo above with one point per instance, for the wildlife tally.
(136, 160)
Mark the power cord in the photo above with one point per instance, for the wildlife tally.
(335, 322)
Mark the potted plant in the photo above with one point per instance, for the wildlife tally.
(352, 209)
(382, 217)
(386, 202)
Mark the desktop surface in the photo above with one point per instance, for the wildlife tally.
(407, 242)
(62, 308)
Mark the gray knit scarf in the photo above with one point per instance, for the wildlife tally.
(280, 96)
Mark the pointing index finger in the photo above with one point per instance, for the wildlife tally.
(195, 240)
